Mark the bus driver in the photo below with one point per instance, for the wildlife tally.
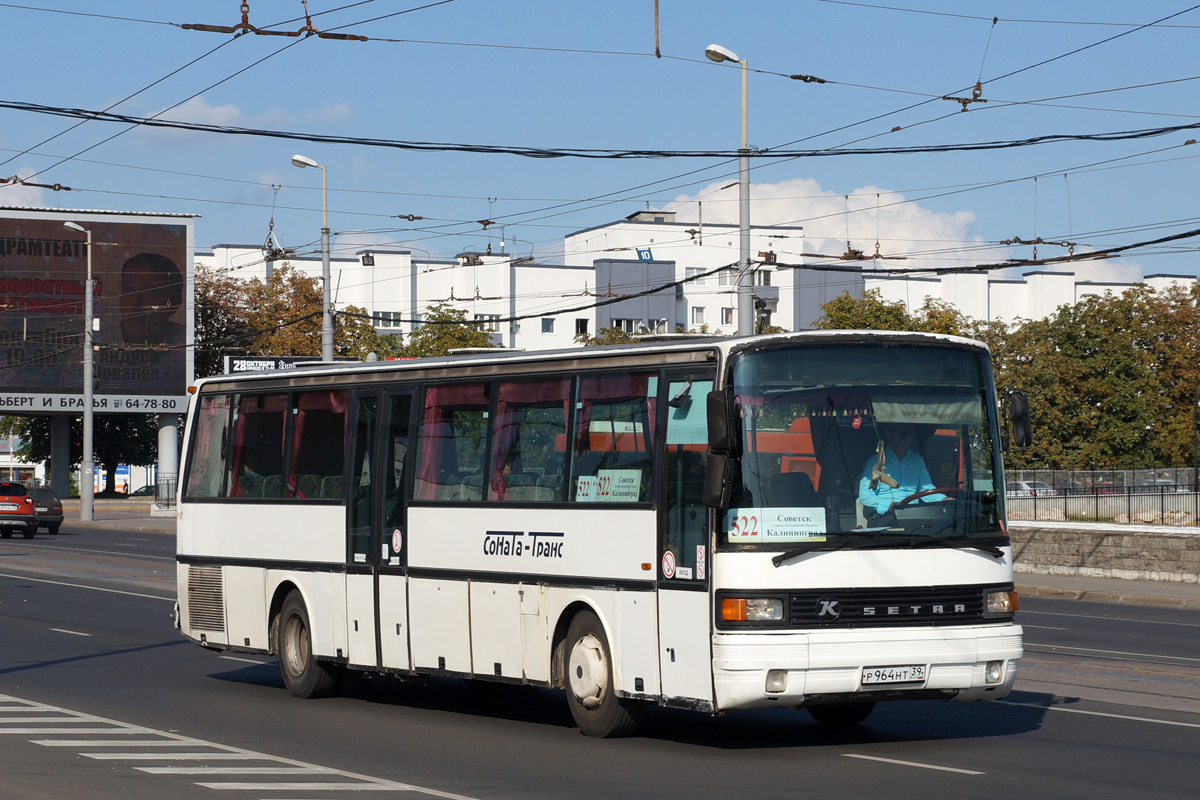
(895, 472)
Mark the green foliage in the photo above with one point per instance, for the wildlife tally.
(116, 439)
(606, 336)
(444, 329)
(355, 335)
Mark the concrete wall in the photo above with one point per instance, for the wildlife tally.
(1106, 552)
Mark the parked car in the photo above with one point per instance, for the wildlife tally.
(16, 511)
(146, 491)
(48, 508)
(1029, 489)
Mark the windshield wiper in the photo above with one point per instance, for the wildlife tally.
(960, 542)
(851, 540)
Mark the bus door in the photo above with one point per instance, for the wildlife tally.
(376, 597)
(684, 623)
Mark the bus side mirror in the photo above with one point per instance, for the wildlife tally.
(722, 427)
(1022, 435)
(721, 464)
(719, 473)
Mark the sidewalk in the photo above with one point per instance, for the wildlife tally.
(134, 514)
(130, 515)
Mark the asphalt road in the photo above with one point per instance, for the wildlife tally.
(101, 698)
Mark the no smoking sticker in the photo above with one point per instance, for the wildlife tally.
(397, 541)
(668, 565)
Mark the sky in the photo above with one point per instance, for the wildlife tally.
(584, 76)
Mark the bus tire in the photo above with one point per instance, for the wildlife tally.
(588, 680)
(303, 674)
(841, 715)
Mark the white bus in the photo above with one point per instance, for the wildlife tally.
(678, 524)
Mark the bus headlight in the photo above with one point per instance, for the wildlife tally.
(993, 672)
(1000, 603)
(751, 609)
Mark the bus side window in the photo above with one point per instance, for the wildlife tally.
(318, 444)
(452, 443)
(613, 456)
(256, 455)
(531, 420)
(206, 468)
(687, 447)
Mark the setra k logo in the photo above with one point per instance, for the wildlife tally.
(828, 609)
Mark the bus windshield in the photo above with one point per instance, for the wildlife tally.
(864, 445)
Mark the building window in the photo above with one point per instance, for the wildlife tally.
(697, 315)
(547, 324)
(386, 319)
(489, 322)
(693, 273)
(728, 277)
(726, 316)
(581, 327)
(627, 325)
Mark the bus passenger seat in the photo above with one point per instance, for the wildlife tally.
(789, 489)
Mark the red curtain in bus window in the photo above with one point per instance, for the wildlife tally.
(513, 399)
(436, 457)
(318, 443)
(256, 468)
(612, 389)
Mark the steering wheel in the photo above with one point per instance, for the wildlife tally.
(950, 490)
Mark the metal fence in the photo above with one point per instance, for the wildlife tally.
(1152, 496)
(164, 492)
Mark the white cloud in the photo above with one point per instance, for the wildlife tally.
(18, 194)
(198, 110)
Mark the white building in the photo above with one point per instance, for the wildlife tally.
(642, 272)
(984, 297)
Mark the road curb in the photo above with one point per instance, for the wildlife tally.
(1107, 597)
(122, 525)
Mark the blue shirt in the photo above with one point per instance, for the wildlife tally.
(910, 474)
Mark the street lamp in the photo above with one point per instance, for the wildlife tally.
(87, 473)
(745, 293)
(326, 318)
(1195, 462)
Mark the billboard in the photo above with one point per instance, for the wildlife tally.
(142, 315)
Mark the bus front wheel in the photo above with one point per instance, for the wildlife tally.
(591, 694)
(303, 674)
(841, 715)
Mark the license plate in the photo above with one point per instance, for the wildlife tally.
(42, 509)
(9, 507)
(909, 674)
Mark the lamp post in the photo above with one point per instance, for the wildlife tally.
(1195, 437)
(745, 292)
(326, 318)
(87, 471)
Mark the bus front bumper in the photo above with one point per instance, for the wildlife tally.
(760, 670)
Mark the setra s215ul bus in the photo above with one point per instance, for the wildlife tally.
(692, 524)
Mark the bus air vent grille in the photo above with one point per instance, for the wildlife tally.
(206, 598)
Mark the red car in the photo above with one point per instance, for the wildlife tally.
(16, 511)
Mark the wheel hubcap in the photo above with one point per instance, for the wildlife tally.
(588, 671)
(295, 651)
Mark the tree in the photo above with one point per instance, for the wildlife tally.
(222, 319)
(444, 329)
(354, 335)
(285, 312)
(606, 336)
(116, 439)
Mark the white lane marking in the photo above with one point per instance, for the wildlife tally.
(1043, 627)
(1110, 652)
(1023, 612)
(73, 633)
(226, 752)
(46, 719)
(1099, 714)
(235, 770)
(914, 764)
(177, 756)
(304, 787)
(114, 742)
(85, 586)
(244, 660)
(109, 552)
(44, 731)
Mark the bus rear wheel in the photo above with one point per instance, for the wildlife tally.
(303, 674)
(588, 679)
(841, 715)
